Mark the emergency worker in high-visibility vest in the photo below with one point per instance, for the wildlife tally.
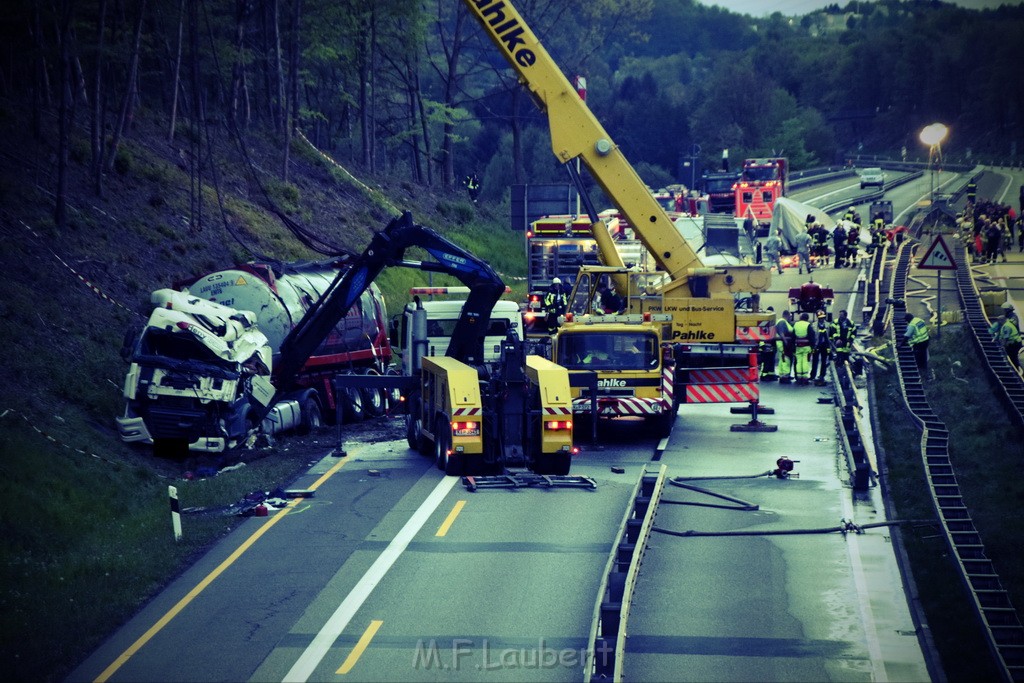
(878, 224)
(1007, 330)
(843, 332)
(916, 337)
(822, 349)
(784, 347)
(555, 303)
(803, 342)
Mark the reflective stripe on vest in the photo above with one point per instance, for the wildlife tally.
(920, 333)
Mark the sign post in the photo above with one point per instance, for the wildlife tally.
(938, 257)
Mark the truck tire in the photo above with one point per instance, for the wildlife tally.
(662, 424)
(352, 405)
(374, 400)
(451, 463)
(414, 428)
(394, 396)
(311, 416)
(557, 464)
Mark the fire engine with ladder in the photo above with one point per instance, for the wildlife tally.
(709, 343)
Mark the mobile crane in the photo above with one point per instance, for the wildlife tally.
(473, 417)
(713, 343)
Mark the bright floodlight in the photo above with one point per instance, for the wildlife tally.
(934, 134)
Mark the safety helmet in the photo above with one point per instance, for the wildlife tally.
(821, 314)
(1007, 306)
(557, 281)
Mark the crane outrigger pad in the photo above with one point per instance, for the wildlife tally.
(516, 479)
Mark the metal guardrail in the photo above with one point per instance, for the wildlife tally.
(607, 641)
(999, 619)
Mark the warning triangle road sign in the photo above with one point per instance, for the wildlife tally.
(938, 256)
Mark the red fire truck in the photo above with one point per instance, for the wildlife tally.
(761, 183)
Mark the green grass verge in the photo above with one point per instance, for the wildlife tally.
(86, 541)
(986, 451)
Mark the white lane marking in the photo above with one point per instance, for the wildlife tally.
(310, 659)
(878, 672)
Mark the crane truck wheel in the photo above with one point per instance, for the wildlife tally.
(312, 418)
(414, 427)
(394, 396)
(447, 460)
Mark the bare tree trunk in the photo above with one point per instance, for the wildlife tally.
(39, 82)
(196, 139)
(129, 91)
(279, 104)
(242, 9)
(177, 71)
(64, 115)
(373, 90)
(96, 122)
(364, 104)
(451, 89)
(293, 69)
(411, 101)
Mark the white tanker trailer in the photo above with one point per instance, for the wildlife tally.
(206, 358)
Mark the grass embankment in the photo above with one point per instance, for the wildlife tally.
(986, 451)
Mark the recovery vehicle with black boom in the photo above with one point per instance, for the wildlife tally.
(471, 415)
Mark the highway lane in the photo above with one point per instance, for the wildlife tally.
(792, 607)
(513, 578)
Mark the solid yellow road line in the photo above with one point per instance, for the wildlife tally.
(201, 586)
(450, 519)
(360, 647)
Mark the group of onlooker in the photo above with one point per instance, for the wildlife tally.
(990, 229)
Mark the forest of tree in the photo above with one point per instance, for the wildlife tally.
(413, 90)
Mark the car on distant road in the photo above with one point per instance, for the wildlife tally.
(872, 176)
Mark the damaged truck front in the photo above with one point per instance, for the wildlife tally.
(205, 368)
(194, 372)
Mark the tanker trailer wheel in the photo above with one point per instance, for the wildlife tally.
(311, 416)
(374, 400)
(447, 460)
(352, 404)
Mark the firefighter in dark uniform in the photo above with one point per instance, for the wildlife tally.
(822, 348)
(972, 191)
(555, 304)
(843, 332)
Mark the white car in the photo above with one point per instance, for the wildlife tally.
(872, 176)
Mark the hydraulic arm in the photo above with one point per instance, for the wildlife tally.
(387, 248)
